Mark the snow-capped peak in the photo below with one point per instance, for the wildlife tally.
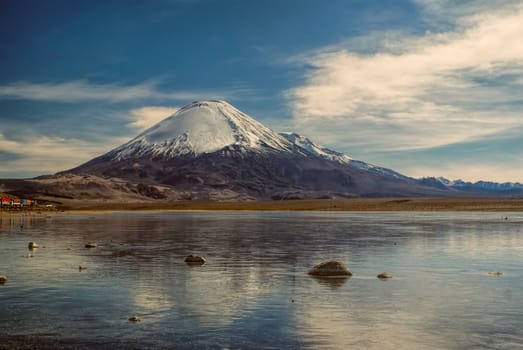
(322, 152)
(314, 149)
(203, 127)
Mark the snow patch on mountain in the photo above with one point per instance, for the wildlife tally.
(322, 152)
(316, 150)
(486, 185)
(378, 170)
(202, 127)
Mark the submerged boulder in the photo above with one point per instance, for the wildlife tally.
(384, 276)
(135, 319)
(32, 245)
(3, 279)
(495, 273)
(90, 245)
(331, 268)
(195, 259)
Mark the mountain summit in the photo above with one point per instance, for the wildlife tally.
(211, 150)
(199, 128)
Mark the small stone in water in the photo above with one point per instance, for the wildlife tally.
(32, 245)
(384, 275)
(3, 279)
(495, 273)
(195, 259)
(90, 245)
(134, 319)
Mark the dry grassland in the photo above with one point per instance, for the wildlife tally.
(354, 204)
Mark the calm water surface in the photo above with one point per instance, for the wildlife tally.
(254, 291)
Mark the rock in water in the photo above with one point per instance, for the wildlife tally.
(32, 245)
(495, 273)
(384, 276)
(195, 259)
(90, 245)
(331, 268)
(134, 319)
(3, 279)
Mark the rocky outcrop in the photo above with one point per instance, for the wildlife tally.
(331, 268)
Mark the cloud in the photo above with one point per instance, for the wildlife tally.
(442, 13)
(429, 91)
(475, 172)
(146, 117)
(82, 90)
(28, 152)
(39, 155)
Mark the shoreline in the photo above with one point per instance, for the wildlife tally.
(352, 204)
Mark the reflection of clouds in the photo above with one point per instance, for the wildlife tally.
(215, 296)
(220, 297)
(466, 237)
(341, 324)
(484, 241)
(152, 299)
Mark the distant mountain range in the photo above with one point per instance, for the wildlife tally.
(209, 150)
(479, 187)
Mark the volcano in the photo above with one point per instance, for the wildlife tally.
(210, 150)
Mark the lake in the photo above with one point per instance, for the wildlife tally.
(254, 291)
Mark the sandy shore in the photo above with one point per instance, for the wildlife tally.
(354, 204)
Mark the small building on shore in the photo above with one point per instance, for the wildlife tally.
(17, 203)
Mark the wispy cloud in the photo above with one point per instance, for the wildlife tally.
(83, 90)
(470, 172)
(442, 13)
(146, 117)
(433, 90)
(31, 151)
(47, 155)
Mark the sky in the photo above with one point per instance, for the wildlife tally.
(424, 87)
